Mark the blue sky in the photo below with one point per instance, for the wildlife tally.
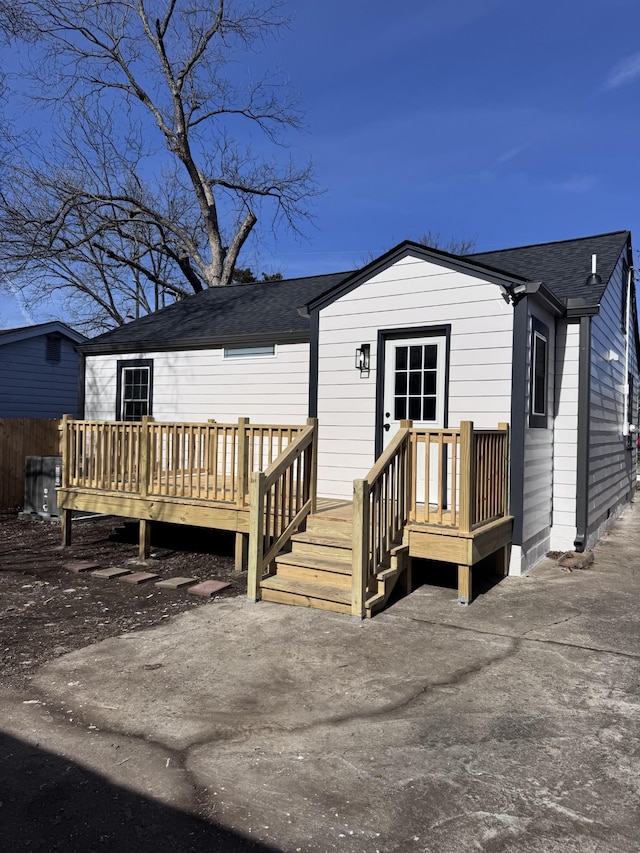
(506, 121)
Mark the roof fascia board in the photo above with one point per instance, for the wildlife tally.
(543, 295)
(443, 259)
(42, 329)
(157, 345)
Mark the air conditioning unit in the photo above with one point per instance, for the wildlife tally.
(42, 475)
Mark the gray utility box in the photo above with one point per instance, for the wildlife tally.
(42, 475)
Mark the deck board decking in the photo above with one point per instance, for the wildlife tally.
(205, 475)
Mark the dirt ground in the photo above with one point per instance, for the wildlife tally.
(47, 611)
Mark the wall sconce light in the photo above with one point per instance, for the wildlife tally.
(363, 354)
(612, 356)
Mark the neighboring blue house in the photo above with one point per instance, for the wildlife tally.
(39, 371)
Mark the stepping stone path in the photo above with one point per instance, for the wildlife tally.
(110, 573)
(138, 577)
(78, 566)
(175, 583)
(208, 588)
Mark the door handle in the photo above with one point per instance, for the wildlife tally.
(386, 427)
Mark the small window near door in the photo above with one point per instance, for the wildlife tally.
(538, 397)
(134, 389)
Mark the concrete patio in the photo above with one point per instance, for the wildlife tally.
(513, 724)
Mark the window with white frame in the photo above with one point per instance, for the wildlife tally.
(250, 352)
(134, 389)
(539, 377)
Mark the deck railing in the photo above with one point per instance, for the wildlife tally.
(454, 478)
(281, 498)
(380, 512)
(202, 461)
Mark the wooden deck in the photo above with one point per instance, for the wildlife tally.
(259, 482)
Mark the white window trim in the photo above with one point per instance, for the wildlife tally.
(249, 353)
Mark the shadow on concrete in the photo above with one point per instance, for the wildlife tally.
(49, 803)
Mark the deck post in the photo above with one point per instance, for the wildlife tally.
(360, 558)
(241, 551)
(65, 515)
(408, 471)
(464, 584)
(313, 481)
(256, 535)
(65, 526)
(143, 465)
(243, 466)
(505, 469)
(144, 539)
(467, 477)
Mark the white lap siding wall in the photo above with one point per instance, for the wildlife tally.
(565, 438)
(196, 385)
(410, 293)
(537, 490)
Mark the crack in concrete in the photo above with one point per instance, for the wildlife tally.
(522, 637)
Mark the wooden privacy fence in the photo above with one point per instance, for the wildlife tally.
(20, 437)
(281, 498)
(210, 462)
(453, 478)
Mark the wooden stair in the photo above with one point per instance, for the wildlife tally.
(317, 571)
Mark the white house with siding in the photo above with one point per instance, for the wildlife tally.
(529, 336)
(39, 371)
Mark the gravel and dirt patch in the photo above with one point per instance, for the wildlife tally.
(47, 611)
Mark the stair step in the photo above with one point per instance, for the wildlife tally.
(311, 561)
(306, 594)
(327, 547)
(326, 525)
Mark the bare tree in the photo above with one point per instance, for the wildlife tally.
(162, 157)
(453, 245)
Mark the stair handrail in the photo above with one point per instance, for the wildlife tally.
(380, 508)
(281, 497)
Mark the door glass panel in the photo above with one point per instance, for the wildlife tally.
(415, 382)
(415, 358)
(431, 356)
(430, 382)
(429, 409)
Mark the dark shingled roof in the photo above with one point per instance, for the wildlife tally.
(222, 314)
(563, 266)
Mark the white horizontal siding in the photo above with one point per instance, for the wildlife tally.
(565, 445)
(537, 484)
(196, 385)
(410, 293)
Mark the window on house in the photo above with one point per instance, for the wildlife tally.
(134, 389)
(53, 348)
(538, 397)
(249, 352)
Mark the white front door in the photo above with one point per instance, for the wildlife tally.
(414, 388)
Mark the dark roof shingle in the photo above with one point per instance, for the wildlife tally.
(224, 313)
(562, 266)
(270, 309)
